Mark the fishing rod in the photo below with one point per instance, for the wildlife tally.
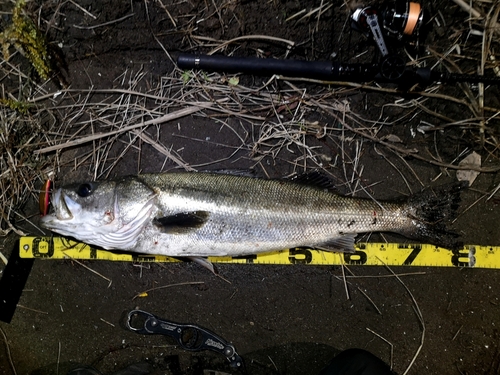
(392, 69)
(399, 21)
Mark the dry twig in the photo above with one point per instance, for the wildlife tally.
(7, 349)
(145, 292)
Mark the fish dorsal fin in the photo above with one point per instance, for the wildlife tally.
(345, 243)
(182, 222)
(314, 178)
(234, 172)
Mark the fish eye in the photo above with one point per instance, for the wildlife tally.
(84, 190)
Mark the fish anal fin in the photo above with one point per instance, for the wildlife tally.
(182, 222)
(344, 243)
(204, 262)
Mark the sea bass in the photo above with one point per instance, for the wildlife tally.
(190, 214)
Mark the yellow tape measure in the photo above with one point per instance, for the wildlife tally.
(370, 254)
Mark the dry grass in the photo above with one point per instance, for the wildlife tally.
(21, 170)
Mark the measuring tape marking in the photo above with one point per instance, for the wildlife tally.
(391, 254)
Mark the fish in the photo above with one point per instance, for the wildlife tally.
(202, 214)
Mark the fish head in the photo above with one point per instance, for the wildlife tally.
(106, 213)
(82, 210)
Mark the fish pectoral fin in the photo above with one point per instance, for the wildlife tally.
(345, 243)
(182, 222)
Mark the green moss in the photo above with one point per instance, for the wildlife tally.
(26, 38)
(16, 105)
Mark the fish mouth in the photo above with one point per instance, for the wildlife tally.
(64, 206)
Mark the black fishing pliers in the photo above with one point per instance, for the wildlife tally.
(189, 336)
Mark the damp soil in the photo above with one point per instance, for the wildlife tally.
(289, 319)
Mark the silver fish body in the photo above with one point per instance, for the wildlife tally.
(211, 214)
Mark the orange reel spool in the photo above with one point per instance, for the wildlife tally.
(403, 18)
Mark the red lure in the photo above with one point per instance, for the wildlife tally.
(44, 198)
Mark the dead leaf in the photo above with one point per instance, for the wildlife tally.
(234, 81)
(473, 159)
(392, 138)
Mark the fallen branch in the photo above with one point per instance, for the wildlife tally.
(168, 117)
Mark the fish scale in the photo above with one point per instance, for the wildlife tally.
(252, 215)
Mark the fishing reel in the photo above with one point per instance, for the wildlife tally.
(399, 22)
(401, 19)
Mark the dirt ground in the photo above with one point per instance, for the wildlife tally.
(281, 319)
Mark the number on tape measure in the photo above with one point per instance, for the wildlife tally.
(359, 257)
(300, 255)
(42, 247)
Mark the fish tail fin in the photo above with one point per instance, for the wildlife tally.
(432, 211)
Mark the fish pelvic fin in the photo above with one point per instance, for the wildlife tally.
(182, 222)
(432, 211)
